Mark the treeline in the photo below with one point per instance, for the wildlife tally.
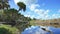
(49, 22)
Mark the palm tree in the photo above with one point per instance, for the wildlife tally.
(21, 6)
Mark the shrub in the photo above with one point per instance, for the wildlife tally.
(7, 29)
(4, 31)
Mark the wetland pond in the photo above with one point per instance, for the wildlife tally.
(38, 30)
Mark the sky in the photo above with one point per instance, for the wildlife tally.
(39, 9)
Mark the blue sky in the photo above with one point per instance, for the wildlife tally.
(39, 9)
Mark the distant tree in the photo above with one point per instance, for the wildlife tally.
(34, 18)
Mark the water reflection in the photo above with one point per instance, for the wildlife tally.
(38, 30)
(55, 30)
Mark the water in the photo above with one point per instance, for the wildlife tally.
(38, 30)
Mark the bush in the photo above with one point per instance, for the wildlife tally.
(7, 29)
(4, 31)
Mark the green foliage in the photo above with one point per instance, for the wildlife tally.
(21, 6)
(12, 16)
(32, 22)
(7, 29)
(4, 4)
(4, 31)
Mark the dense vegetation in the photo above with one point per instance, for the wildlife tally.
(5, 29)
(11, 16)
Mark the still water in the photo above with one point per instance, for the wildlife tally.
(38, 30)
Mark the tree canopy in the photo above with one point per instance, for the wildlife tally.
(21, 6)
(11, 16)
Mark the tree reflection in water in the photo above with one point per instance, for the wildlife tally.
(47, 30)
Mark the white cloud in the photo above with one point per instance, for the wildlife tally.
(31, 16)
(42, 13)
(54, 16)
(16, 1)
(27, 15)
(46, 11)
(33, 6)
(27, 2)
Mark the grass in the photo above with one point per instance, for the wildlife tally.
(13, 30)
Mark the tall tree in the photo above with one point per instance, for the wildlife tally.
(21, 6)
(4, 4)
